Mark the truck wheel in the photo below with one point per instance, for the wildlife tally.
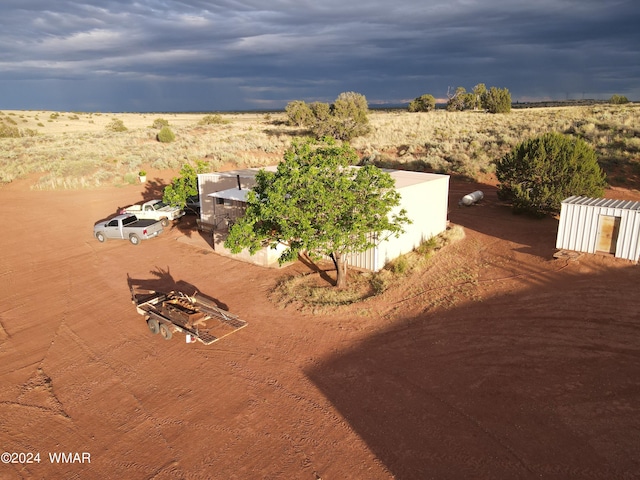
(154, 326)
(133, 238)
(165, 332)
(100, 236)
(164, 221)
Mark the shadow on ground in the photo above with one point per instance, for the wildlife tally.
(541, 383)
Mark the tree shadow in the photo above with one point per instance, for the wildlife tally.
(153, 189)
(277, 132)
(307, 261)
(162, 280)
(493, 217)
(519, 385)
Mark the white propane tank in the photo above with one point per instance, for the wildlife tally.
(471, 198)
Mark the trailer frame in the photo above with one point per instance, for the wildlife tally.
(196, 316)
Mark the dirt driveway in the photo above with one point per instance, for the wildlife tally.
(496, 362)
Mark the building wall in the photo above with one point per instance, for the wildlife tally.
(216, 182)
(427, 207)
(579, 221)
(426, 204)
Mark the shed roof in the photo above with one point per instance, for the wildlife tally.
(231, 194)
(602, 202)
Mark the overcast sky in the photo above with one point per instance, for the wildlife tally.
(198, 55)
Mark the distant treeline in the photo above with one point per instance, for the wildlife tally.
(560, 103)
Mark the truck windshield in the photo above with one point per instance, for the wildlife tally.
(159, 205)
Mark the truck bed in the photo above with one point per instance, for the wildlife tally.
(194, 315)
(142, 222)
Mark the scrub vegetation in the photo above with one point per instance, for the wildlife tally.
(82, 150)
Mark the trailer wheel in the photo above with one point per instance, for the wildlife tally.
(165, 332)
(154, 326)
(164, 221)
(133, 238)
(100, 236)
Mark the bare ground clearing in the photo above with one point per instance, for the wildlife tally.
(496, 362)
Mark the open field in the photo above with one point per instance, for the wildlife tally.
(495, 361)
(76, 150)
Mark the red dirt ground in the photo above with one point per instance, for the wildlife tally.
(498, 361)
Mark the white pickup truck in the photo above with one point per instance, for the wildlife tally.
(156, 210)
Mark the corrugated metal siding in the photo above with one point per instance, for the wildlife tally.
(578, 227)
(365, 260)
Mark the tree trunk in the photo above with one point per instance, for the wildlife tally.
(341, 270)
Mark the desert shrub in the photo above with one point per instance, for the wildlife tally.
(116, 125)
(9, 131)
(497, 100)
(400, 265)
(299, 113)
(159, 123)
(345, 119)
(213, 120)
(427, 246)
(537, 174)
(130, 178)
(423, 103)
(349, 116)
(166, 135)
(618, 99)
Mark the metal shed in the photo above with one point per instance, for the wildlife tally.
(600, 225)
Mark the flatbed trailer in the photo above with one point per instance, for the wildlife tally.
(197, 316)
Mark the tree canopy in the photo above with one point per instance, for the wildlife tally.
(184, 186)
(541, 172)
(493, 100)
(497, 100)
(345, 119)
(317, 203)
(423, 103)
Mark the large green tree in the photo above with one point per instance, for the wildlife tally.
(541, 172)
(317, 203)
(185, 185)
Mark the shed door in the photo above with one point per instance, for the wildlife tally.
(608, 228)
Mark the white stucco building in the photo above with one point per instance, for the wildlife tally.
(423, 195)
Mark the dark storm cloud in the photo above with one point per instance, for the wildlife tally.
(202, 55)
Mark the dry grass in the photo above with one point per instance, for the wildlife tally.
(76, 150)
(315, 291)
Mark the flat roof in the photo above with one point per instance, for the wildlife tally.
(407, 178)
(403, 178)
